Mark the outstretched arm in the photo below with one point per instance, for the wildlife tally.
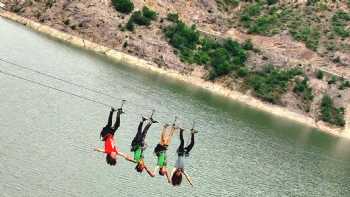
(188, 178)
(172, 172)
(99, 150)
(155, 170)
(167, 176)
(151, 174)
(127, 157)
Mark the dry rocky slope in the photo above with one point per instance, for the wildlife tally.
(98, 21)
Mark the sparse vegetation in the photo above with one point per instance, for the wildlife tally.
(270, 83)
(319, 74)
(227, 4)
(339, 22)
(173, 17)
(309, 35)
(303, 89)
(222, 58)
(247, 45)
(344, 84)
(331, 114)
(123, 6)
(143, 18)
(333, 80)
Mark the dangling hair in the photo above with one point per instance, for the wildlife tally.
(138, 167)
(110, 160)
(161, 173)
(176, 179)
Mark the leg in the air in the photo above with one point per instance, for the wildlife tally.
(162, 134)
(190, 146)
(109, 123)
(168, 135)
(117, 122)
(144, 132)
(138, 137)
(180, 149)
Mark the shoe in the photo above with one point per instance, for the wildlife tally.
(120, 110)
(153, 121)
(144, 119)
(194, 131)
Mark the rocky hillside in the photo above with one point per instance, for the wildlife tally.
(296, 55)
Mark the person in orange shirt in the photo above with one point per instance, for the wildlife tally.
(107, 135)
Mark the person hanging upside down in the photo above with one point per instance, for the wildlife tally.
(107, 135)
(161, 148)
(179, 170)
(138, 145)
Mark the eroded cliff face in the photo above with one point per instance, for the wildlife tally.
(98, 21)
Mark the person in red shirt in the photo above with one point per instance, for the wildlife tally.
(107, 135)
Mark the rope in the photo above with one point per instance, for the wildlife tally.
(59, 79)
(54, 88)
(64, 81)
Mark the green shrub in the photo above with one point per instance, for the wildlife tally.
(220, 58)
(243, 72)
(49, 3)
(130, 25)
(271, 83)
(249, 12)
(331, 114)
(181, 36)
(344, 84)
(123, 6)
(271, 2)
(333, 80)
(339, 23)
(141, 18)
(303, 89)
(248, 45)
(263, 24)
(227, 4)
(311, 2)
(319, 74)
(173, 17)
(148, 13)
(309, 35)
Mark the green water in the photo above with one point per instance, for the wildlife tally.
(47, 137)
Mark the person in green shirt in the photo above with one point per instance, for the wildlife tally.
(138, 145)
(161, 148)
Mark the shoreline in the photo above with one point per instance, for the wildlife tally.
(216, 88)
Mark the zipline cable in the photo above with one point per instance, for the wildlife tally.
(54, 88)
(65, 81)
(58, 78)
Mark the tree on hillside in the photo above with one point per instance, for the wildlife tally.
(123, 6)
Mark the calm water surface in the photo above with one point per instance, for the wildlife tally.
(46, 137)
